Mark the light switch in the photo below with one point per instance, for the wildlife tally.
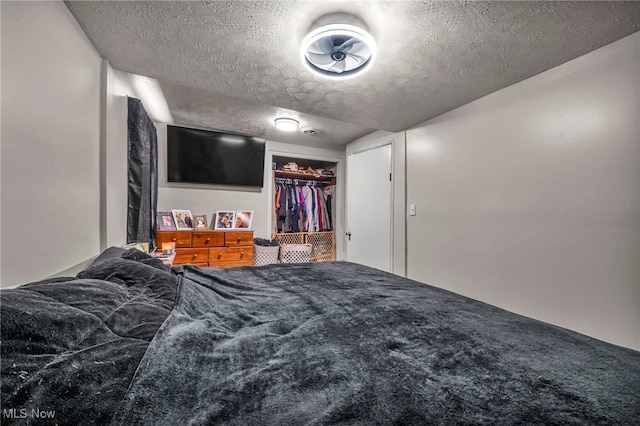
(412, 209)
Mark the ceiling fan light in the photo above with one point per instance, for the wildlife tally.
(338, 51)
(286, 124)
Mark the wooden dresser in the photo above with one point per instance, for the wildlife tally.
(217, 249)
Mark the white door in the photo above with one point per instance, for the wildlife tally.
(368, 236)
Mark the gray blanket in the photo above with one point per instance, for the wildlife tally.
(339, 343)
(70, 346)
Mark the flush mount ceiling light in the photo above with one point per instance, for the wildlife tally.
(286, 124)
(338, 51)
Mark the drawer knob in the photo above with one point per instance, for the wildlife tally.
(239, 238)
(173, 239)
(219, 254)
(241, 253)
(195, 255)
(208, 239)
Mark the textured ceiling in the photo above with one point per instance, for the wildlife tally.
(235, 65)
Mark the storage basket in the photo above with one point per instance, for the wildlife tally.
(265, 255)
(295, 253)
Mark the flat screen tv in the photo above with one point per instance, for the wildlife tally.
(204, 156)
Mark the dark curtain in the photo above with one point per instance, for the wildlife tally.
(143, 175)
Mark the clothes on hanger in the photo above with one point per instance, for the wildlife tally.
(302, 207)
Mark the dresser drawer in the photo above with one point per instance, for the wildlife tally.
(223, 254)
(191, 256)
(181, 238)
(231, 264)
(207, 239)
(238, 238)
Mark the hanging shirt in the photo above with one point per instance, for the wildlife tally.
(282, 208)
(308, 204)
(329, 215)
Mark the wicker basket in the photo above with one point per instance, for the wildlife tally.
(323, 243)
(295, 253)
(265, 255)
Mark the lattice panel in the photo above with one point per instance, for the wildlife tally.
(291, 238)
(322, 246)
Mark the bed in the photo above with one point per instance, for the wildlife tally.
(130, 341)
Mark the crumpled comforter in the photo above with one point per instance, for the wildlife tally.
(70, 346)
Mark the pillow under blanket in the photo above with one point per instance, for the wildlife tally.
(70, 346)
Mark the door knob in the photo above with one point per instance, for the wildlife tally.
(349, 235)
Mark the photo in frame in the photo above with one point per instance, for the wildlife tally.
(165, 221)
(200, 221)
(183, 219)
(243, 219)
(224, 219)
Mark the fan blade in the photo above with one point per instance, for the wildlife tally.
(339, 66)
(348, 43)
(328, 67)
(360, 49)
(359, 59)
(352, 62)
(322, 46)
(319, 60)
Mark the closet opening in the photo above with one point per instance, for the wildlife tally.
(304, 205)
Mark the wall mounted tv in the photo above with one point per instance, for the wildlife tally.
(204, 156)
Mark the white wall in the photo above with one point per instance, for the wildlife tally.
(209, 198)
(115, 152)
(50, 142)
(529, 198)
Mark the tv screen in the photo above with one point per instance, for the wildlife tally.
(203, 156)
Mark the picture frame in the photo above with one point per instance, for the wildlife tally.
(243, 219)
(200, 221)
(183, 219)
(224, 219)
(166, 222)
